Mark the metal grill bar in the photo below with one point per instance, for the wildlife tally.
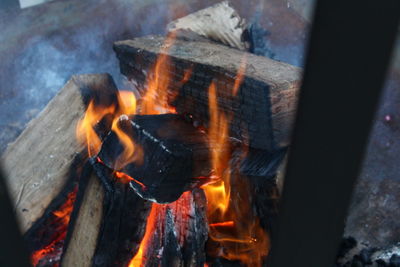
(348, 55)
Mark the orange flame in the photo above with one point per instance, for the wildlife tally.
(234, 231)
(156, 100)
(125, 105)
(85, 130)
(62, 217)
(240, 76)
(180, 210)
(139, 259)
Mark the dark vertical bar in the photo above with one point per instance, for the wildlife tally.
(349, 52)
(12, 251)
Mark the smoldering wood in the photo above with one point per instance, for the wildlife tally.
(84, 236)
(220, 23)
(262, 163)
(180, 232)
(263, 110)
(176, 155)
(48, 145)
(106, 226)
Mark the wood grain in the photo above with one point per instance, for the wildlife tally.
(83, 241)
(37, 163)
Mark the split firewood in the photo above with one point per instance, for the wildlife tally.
(106, 226)
(220, 23)
(259, 94)
(37, 164)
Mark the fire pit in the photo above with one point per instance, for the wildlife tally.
(182, 169)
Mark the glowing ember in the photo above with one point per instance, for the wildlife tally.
(61, 220)
(139, 258)
(126, 179)
(180, 210)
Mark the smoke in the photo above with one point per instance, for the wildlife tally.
(34, 72)
(37, 69)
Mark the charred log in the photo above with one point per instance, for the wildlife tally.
(175, 156)
(106, 226)
(262, 111)
(179, 232)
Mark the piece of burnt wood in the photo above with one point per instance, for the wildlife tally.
(45, 238)
(265, 104)
(180, 232)
(220, 23)
(106, 226)
(38, 162)
(83, 240)
(175, 155)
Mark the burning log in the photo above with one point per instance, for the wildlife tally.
(116, 227)
(106, 227)
(48, 146)
(177, 233)
(174, 155)
(259, 94)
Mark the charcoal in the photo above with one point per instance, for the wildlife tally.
(180, 232)
(175, 156)
(262, 163)
(171, 252)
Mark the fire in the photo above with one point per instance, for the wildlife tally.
(61, 221)
(239, 76)
(235, 233)
(85, 130)
(126, 179)
(139, 259)
(119, 111)
(157, 97)
(180, 210)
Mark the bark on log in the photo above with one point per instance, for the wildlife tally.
(264, 108)
(37, 164)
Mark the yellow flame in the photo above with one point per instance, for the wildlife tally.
(125, 105)
(85, 130)
(156, 100)
(240, 76)
(234, 231)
